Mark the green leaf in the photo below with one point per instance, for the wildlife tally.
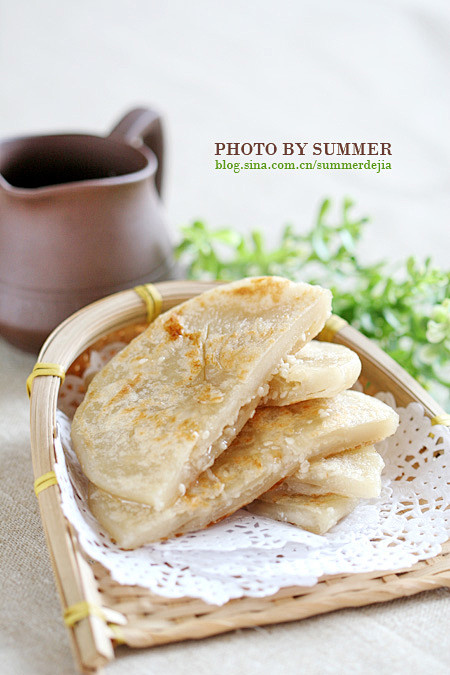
(319, 247)
(228, 236)
(323, 209)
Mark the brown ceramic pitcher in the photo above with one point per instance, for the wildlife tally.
(80, 218)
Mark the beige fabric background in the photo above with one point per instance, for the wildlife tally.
(235, 71)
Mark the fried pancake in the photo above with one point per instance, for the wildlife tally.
(318, 370)
(317, 514)
(272, 445)
(161, 411)
(353, 473)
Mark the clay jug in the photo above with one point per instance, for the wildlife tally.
(80, 218)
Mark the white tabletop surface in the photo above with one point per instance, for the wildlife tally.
(234, 71)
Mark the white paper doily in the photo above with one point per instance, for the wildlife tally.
(408, 523)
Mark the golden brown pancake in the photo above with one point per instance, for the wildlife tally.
(162, 410)
(272, 445)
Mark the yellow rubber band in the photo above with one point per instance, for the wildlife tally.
(332, 326)
(152, 298)
(441, 419)
(43, 482)
(80, 611)
(53, 369)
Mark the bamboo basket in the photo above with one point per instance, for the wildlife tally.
(135, 616)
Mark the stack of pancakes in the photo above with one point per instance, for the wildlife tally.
(224, 402)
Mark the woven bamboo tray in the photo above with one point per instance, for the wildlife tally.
(133, 615)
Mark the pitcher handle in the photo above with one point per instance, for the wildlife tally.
(143, 124)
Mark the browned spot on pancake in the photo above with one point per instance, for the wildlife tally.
(188, 429)
(173, 327)
(194, 338)
(214, 522)
(143, 415)
(260, 287)
(196, 368)
(277, 484)
(208, 393)
(362, 445)
(125, 389)
(196, 365)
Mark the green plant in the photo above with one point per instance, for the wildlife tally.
(404, 307)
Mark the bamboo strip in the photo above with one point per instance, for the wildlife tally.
(89, 638)
(195, 619)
